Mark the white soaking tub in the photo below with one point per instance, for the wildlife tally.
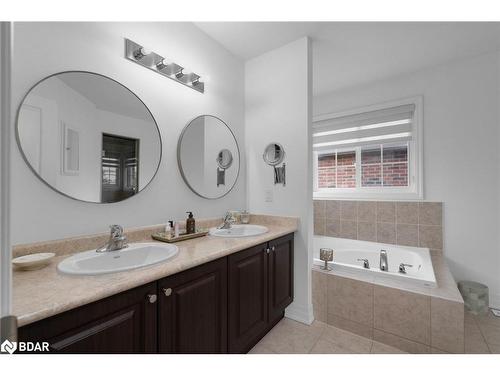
(347, 252)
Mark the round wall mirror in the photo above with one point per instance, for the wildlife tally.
(208, 157)
(224, 159)
(274, 154)
(88, 137)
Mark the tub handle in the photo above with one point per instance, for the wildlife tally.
(366, 264)
(402, 267)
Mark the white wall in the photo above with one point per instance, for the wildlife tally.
(41, 49)
(278, 87)
(461, 155)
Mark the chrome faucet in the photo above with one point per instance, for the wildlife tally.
(117, 240)
(228, 221)
(384, 266)
(402, 267)
(366, 263)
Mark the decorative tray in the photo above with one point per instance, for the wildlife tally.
(162, 236)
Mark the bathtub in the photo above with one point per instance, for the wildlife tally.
(347, 252)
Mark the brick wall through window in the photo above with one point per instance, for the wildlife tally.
(381, 165)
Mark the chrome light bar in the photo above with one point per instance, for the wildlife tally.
(161, 65)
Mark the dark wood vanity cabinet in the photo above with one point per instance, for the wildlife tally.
(192, 310)
(260, 288)
(280, 274)
(123, 323)
(248, 297)
(222, 306)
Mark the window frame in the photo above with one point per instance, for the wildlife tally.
(415, 160)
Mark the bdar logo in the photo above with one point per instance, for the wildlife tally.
(8, 347)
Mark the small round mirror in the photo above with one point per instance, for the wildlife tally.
(224, 159)
(274, 154)
(208, 157)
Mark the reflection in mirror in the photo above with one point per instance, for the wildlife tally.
(274, 154)
(224, 159)
(208, 157)
(88, 137)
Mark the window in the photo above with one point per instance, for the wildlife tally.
(110, 171)
(370, 153)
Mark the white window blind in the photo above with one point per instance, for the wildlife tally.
(374, 127)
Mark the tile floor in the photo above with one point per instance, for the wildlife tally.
(291, 337)
(482, 335)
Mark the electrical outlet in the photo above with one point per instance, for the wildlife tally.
(268, 195)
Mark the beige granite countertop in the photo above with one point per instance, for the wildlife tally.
(46, 292)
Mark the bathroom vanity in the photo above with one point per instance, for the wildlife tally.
(224, 305)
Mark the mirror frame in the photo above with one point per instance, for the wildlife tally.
(283, 154)
(179, 163)
(18, 140)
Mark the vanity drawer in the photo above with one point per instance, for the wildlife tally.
(123, 323)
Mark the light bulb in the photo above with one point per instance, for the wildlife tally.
(141, 52)
(163, 64)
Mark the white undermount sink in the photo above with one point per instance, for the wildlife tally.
(243, 230)
(136, 255)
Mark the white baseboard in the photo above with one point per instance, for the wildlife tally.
(302, 314)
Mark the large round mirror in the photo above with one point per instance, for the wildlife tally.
(88, 137)
(208, 157)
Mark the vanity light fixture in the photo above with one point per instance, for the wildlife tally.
(141, 52)
(161, 65)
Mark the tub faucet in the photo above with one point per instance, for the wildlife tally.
(402, 267)
(117, 240)
(384, 266)
(366, 264)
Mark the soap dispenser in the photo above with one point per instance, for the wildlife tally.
(169, 229)
(190, 223)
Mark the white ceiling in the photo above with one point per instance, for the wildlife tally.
(107, 95)
(348, 54)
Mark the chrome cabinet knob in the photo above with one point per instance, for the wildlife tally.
(267, 251)
(151, 298)
(273, 248)
(167, 291)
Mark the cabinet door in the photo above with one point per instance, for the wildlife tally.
(193, 310)
(280, 276)
(123, 323)
(248, 297)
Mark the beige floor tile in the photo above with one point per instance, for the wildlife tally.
(438, 351)
(491, 333)
(400, 343)
(261, 349)
(291, 337)
(327, 347)
(474, 340)
(355, 343)
(350, 326)
(495, 349)
(379, 348)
